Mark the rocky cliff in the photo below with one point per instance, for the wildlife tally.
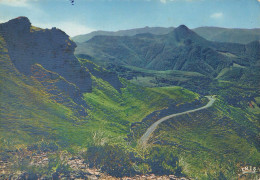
(52, 48)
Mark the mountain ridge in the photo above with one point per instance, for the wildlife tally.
(177, 50)
(232, 35)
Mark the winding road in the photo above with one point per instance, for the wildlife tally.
(152, 128)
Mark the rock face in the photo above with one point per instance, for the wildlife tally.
(62, 91)
(52, 49)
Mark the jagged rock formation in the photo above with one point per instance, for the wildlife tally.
(52, 49)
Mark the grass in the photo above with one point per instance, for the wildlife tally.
(188, 73)
(34, 28)
(152, 78)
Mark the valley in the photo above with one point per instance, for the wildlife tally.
(138, 104)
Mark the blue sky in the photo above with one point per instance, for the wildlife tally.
(89, 15)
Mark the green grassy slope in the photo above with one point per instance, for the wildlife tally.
(31, 112)
(116, 111)
(151, 78)
(28, 114)
(214, 143)
(211, 142)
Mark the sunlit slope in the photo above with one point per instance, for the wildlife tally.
(212, 142)
(28, 112)
(111, 109)
(35, 108)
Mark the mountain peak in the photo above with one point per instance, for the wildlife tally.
(182, 32)
(18, 24)
(183, 27)
(22, 20)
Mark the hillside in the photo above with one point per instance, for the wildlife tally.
(205, 139)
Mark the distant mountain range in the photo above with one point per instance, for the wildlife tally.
(181, 49)
(232, 35)
(130, 32)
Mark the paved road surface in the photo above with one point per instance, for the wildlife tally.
(151, 129)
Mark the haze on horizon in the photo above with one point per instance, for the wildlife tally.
(111, 15)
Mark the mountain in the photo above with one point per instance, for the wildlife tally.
(231, 35)
(242, 36)
(130, 32)
(181, 49)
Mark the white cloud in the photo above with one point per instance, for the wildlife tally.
(16, 3)
(4, 19)
(70, 28)
(217, 15)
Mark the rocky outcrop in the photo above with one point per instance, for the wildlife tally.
(51, 48)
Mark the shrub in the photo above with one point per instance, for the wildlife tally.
(110, 159)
